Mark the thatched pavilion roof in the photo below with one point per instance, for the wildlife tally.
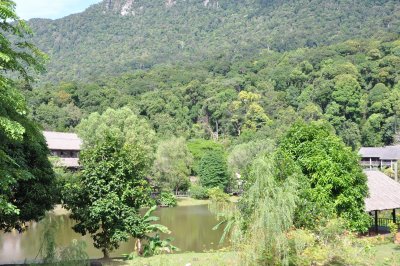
(384, 192)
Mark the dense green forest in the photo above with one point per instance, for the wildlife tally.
(118, 36)
(354, 85)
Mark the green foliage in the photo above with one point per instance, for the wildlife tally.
(156, 246)
(150, 234)
(329, 245)
(248, 114)
(199, 147)
(172, 165)
(394, 228)
(73, 254)
(242, 155)
(216, 194)
(27, 184)
(224, 210)
(267, 214)
(107, 195)
(213, 170)
(334, 183)
(166, 199)
(111, 44)
(198, 192)
(123, 124)
(266, 234)
(358, 94)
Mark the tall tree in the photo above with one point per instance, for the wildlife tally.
(335, 184)
(124, 125)
(213, 170)
(27, 183)
(172, 165)
(106, 198)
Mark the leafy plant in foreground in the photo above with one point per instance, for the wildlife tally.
(148, 240)
(167, 199)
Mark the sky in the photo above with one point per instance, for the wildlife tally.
(53, 9)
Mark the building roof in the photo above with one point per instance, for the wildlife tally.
(62, 141)
(383, 153)
(384, 192)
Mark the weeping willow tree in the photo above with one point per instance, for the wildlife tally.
(267, 213)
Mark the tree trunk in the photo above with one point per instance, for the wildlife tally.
(106, 253)
(138, 247)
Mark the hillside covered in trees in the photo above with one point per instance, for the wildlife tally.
(354, 85)
(118, 36)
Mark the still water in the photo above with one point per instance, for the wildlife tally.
(191, 228)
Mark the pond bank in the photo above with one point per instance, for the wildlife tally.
(384, 254)
(194, 202)
(59, 210)
(218, 258)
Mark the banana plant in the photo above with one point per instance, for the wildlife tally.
(151, 236)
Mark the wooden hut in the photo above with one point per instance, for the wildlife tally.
(65, 146)
(380, 157)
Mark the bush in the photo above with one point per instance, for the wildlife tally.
(216, 194)
(167, 199)
(199, 192)
(393, 230)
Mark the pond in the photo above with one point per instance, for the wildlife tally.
(191, 228)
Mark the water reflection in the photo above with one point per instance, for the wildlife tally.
(191, 228)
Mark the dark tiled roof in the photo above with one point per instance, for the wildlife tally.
(384, 153)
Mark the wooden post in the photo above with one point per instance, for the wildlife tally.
(394, 215)
(376, 222)
(370, 163)
(395, 172)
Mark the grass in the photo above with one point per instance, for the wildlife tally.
(386, 254)
(193, 259)
(193, 202)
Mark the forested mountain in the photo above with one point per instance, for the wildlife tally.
(355, 85)
(118, 36)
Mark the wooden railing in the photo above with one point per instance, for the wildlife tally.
(181, 194)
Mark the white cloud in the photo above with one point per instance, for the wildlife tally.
(53, 9)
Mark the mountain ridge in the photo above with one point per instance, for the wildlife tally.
(97, 43)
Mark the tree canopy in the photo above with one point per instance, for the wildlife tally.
(266, 93)
(106, 197)
(172, 165)
(334, 184)
(27, 183)
(213, 170)
(115, 37)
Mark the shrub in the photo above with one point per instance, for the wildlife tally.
(393, 230)
(167, 199)
(198, 192)
(216, 194)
